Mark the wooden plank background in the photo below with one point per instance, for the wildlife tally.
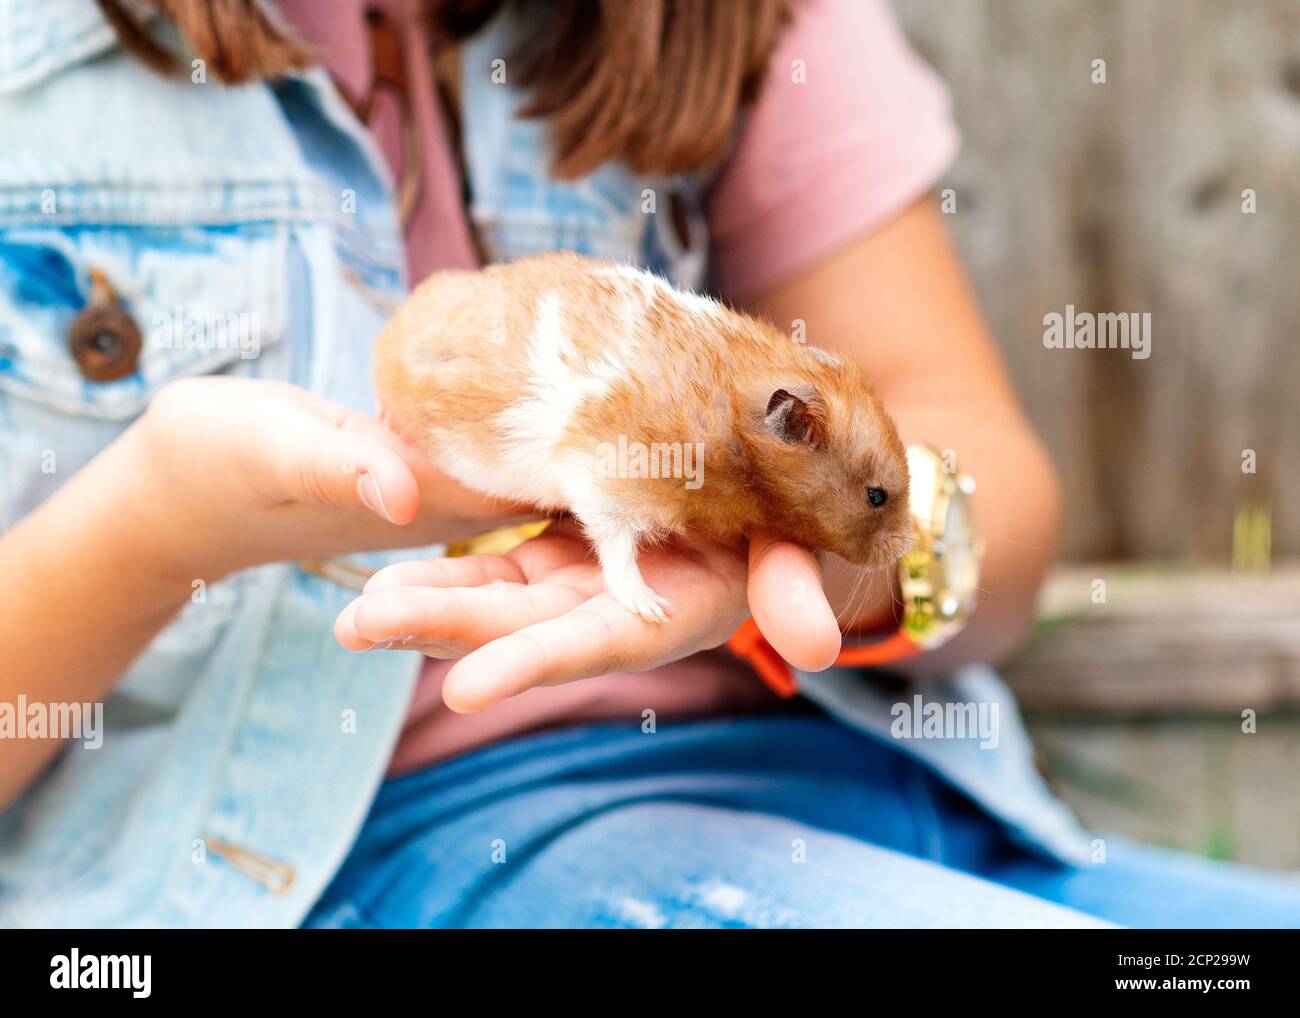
(1196, 784)
(1169, 711)
(1126, 196)
(1163, 643)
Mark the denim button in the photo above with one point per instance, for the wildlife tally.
(103, 338)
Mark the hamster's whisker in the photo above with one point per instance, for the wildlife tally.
(847, 609)
(1011, 540)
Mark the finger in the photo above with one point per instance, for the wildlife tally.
(324, 460)
(597, 638)
(453, 498)
(350, 470)
(789, 605)
(345, 629)
(551, 551)
(469, 571)
(346, 634)
(457, 617)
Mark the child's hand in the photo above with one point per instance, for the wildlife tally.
(538, 615)
(239, 472)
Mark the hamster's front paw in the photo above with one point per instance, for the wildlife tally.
(640, 599)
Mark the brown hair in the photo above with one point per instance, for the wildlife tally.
(658, 83)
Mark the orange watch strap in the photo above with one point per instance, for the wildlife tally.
(894, 648)
(748, 643)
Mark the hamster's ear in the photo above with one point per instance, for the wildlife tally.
(793, 416)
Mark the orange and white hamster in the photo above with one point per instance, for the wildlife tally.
(598, 389)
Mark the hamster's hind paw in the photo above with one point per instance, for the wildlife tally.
(640, 599)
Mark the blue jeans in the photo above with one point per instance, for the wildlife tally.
(771, 820)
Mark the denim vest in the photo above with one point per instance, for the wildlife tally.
(242, 749)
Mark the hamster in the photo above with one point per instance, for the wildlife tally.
(599, 389)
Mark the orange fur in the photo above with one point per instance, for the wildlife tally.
(660, 367)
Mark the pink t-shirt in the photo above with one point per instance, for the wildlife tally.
(850, 128)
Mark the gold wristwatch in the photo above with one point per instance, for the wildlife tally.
(938, 577)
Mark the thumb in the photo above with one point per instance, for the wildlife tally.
(789, 604)
(349, 470)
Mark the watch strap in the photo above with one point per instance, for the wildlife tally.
(749, 644)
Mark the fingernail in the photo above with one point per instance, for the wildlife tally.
(391, 642)
(368, 491)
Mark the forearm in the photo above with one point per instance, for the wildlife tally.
(220, 474)
(82, 591)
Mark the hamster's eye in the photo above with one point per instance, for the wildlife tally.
(877, 496)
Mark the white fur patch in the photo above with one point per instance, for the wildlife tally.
(652, 286)
(831, 360)
(524, 468)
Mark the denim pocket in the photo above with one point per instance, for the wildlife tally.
(205, 299)
(202, 297)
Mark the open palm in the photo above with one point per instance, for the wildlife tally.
(538, 614)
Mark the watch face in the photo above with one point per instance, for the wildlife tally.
(960, 563)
